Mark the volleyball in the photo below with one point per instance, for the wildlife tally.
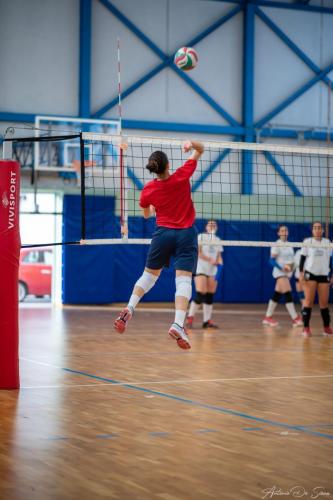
(186, 58)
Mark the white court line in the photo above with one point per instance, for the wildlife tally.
(40, 363)
(62, 386)
(171, 310)
(175, 382)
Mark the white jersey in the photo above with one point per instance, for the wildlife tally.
(296, 263)
(283, 256)
(317, 258)
(203, 266)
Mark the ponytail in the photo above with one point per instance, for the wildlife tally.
(157, 162)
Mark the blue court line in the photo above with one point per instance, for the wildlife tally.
(252, 429)
(159, 434)
(316, 425)
(57, 438)
(107, 436)
(204, 431)
(219, 409)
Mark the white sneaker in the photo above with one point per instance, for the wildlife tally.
(178, 333)
(297, 321)
(269, 321)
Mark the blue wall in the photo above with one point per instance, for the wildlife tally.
(106, 273)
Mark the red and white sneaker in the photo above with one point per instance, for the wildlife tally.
(121, 322)
(297, 321)
(306, 332)
(189, 321)
(328, 332)
(269, 321)
(178, 333)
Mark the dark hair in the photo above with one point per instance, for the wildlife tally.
(280, 226)
(316, 222)
(157, 162)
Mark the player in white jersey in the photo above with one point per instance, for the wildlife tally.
(315, 273)
(299, 284)
(206, 278)
(282, 261)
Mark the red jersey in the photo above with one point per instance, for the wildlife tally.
(172, 198)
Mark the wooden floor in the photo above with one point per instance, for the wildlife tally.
(246, 413)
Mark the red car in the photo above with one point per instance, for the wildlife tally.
(35, 274)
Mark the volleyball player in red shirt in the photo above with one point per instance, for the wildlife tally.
(169, 196)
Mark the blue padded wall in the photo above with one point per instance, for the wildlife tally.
(106, 273)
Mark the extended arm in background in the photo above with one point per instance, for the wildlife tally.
(274, 263)
(203, 256)
(301, 266)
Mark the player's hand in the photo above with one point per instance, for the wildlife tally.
(187, 146)
(301, 276)
(287, 268)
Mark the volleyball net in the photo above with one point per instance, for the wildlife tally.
(245, 184)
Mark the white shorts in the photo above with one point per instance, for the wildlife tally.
(206, 268)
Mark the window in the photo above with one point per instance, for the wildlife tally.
(31, 257)
(48, 258)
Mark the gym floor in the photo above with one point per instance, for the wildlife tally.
(247, 413)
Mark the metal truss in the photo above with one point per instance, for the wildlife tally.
(248, 130)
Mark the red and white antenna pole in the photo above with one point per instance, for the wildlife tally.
(119, 86)
(122, 149)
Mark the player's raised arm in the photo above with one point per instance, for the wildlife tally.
(196, 147)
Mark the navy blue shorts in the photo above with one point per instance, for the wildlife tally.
(182, 244)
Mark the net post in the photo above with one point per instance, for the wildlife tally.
(83, 190)
(9, 267)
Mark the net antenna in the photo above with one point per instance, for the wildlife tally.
(7, 150)
(329, 160)
(122, 157)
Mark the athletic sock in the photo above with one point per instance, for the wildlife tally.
(306, 314)
(193, 308)
(325, 314)
(133, 301)
(290, 306)
(271, 308)
(180, 317)
(207, 312)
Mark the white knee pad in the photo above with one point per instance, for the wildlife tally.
(184, 286)
(147, 281)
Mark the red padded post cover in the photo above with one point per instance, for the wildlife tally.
(9, 265)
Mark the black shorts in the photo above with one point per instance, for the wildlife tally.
(319, 278)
